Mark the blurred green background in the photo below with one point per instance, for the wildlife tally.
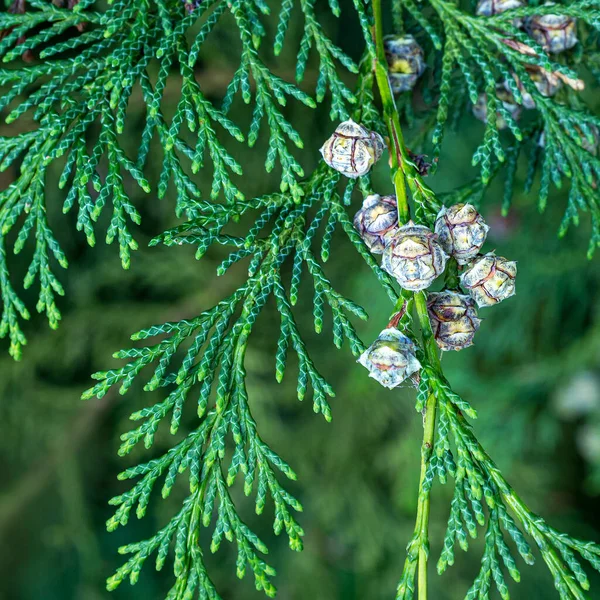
(534, 377)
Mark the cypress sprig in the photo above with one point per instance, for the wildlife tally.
(77, 93)
(204, 356)
(78, 90)
(480, 53)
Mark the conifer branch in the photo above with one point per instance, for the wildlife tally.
(77, 92)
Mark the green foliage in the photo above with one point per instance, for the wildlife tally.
(477, 481)
(79, 91)
(212, 349)
(558, 138)
(78, 94)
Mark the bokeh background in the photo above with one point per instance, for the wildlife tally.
(534, 376)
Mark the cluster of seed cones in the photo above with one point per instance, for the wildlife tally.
(415, 256)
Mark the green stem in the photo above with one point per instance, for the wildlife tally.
(402, 167)
(451, 277)
(404, 171)
(431, 352)
(424, 497)
(398, 153)
(418, 553)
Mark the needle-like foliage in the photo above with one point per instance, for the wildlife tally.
(73, 102)
(204, 357)
(85, 63)
(477, 54)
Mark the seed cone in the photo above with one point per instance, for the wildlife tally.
(555, 33)
(414, 257)
(489, 8)
(352, 149)
(406, 62)
(376, 221)
(391, 358)
(461, 232)
(453, 319)
(490, 279)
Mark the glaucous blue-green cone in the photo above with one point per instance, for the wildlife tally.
(490, 279)
(352, 149)
(406, 62)
(414, 257)
(376, 221)
(555, 33)
(391, 358)
(453, 318)
(461, 231)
